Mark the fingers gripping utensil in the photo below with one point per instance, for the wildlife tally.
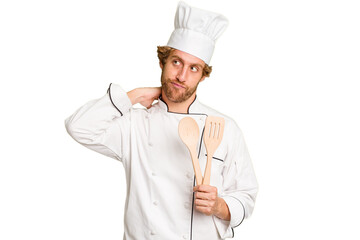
(189, 134)
(213, 133)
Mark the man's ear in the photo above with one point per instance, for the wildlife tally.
(161, 65)
(203, 78)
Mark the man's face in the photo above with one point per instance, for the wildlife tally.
(181, 75)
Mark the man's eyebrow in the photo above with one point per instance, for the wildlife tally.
(176, 56)
(199, 65)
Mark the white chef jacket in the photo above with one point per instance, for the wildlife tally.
(159, 172)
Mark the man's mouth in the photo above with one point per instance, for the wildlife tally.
(177, 85)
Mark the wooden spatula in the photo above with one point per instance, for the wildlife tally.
(189, 134)
(213, 133)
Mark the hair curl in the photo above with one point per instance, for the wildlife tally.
(164, 52)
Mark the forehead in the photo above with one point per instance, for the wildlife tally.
(187, 58)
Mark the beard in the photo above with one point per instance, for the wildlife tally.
(176, 95)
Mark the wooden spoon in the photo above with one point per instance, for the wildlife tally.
(189, 134)
(213, 133)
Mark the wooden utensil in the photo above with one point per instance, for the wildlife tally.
(213, 133)
(189, 134)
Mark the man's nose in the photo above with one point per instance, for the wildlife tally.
(181, 76)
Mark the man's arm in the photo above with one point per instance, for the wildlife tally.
(103, 124)
(239, 185)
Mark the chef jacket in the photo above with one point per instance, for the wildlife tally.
(159, 172)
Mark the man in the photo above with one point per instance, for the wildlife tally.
(162, 199)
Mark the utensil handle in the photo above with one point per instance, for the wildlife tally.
(196, 166)
(207, 173)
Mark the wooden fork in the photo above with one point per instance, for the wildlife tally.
(213, 133)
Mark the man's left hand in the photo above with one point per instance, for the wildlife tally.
(208, 202)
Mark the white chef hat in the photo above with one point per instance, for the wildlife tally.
(196, 31)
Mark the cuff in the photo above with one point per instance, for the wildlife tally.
(237, 210)
(119, 98)
(223, 227)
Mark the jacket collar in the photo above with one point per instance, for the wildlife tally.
(193, 108)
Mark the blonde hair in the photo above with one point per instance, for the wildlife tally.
(164, 52)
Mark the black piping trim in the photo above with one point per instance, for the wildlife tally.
(232, 228)
(201, 140)
(192, 210)
(244, 213)
(216, 158)
(191, 104)
(108, 91)
(160, 98)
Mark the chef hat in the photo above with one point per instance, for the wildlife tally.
(196, 31)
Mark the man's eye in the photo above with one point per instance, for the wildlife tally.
(194, 69)
(176, 62)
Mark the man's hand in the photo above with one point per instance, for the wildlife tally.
(145, 96)
(208, 202)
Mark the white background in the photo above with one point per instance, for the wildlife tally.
(286, 71)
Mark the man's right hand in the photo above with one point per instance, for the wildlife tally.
(145, 96)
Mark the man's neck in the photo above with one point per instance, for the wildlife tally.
(181, 107)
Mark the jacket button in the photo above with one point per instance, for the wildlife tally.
(154, 174)
(187, 205)
(153, 233)
(184, 236)
(155, 203)
(189, 176)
